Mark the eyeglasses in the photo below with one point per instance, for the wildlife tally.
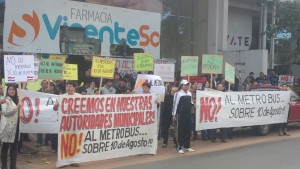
(173, 91)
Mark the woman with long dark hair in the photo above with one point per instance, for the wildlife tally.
(9, 131)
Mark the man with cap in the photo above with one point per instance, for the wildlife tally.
(182, 115)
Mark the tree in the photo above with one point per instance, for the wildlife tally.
(287, 21)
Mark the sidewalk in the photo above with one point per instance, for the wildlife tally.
(42, 157)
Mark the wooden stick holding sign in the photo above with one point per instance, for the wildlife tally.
(100, 86)
(103, 68)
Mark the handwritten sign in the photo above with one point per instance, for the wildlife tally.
(70, 72)
(36, 69)
(103, 67)
(165, 71)
(51, 69)
(212, 64)
(229, 73)
(189, 65)
(285, 79)
(18, 68)
(58, 57)
(143, 62)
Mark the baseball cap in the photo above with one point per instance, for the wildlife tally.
(184, 82)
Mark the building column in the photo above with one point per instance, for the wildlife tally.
(217, 26)
(223, 24)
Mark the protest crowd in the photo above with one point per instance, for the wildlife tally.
(177, 117)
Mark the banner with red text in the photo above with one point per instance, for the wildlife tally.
(38, 114)
(102, 127)
(237, 109)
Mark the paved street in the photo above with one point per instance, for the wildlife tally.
(244, 149)
(275, 155)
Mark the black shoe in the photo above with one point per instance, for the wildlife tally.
(224, 141)
(164, 146)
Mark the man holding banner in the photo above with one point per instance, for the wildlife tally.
(182, 114)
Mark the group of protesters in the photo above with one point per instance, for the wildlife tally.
(177, 110)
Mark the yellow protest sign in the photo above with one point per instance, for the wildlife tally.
(70, 72)
(34, 86)
(58, 57)
(143, 62)
(103, 67)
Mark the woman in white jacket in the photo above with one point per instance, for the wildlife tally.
(9, 131)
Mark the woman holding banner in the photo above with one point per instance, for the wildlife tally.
(9, 131)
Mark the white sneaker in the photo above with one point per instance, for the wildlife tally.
(189, 150)
(180, 152)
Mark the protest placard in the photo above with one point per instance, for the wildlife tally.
(38, 115)
(18, 68)
(61, 58)
(104, 127)
(51, 69)
(237, 109)
(229, 73)
(189, 66)
(70, 72)
(165, 71)
(126, 66)
(36, 69)
(285, 79)
(34, 86)
(212, 64)
(157, 85)
(103, 67)
(143, 62)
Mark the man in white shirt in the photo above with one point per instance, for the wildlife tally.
(70, 91)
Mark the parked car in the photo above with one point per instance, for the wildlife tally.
(294, 111)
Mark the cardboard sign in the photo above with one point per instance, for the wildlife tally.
(237, 109)
(212, 64)
(189, 66)
(70, 72)
(229, 73)
(165, 71)
(157, 85)
(51, 69)
(18, 68)
(103, 67)
(143, 62)
(34, 86)
(105, 127)
(58, 58)
(285, 79)
(36, 69)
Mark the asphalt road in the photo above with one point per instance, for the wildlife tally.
(282, 154)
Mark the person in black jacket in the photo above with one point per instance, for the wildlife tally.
(182, 115)
(167, 115)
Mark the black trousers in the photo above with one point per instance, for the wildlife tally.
(213, 134)
(54, 142)
(184, 130)
(13, 147)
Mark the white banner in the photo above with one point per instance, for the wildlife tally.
(107, 126)
(157, 85)
(165, 71)
(30, 24)
(18, 68)
(236, 109)
(38, 114)
(285, 79)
